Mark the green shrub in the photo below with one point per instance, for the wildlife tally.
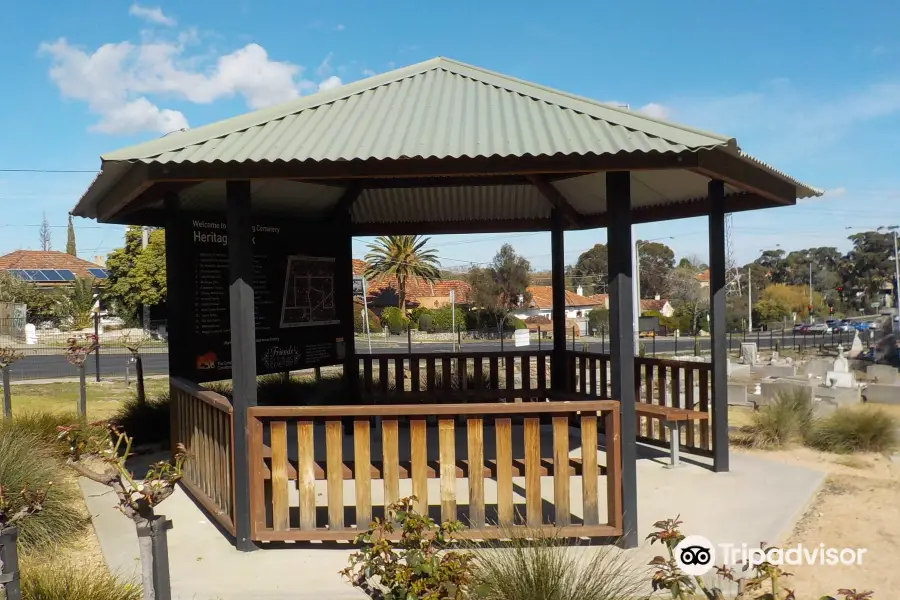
(148, 421)
(512, 323)
(442, 319)
(786, 420)
(598, 319)
(394, 319)
(274, 391)
(865, 429)
(425, 322)
(359, 325)
(42, 426)
(29, 460)
(535, 565)
(61, 579)
(415, 315)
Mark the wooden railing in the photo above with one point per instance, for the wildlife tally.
(665, 382)
(305, 462)
(201, 420)
(488, 373)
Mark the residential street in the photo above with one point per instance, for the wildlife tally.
(114, 365)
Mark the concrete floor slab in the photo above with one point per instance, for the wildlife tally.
(759, 500)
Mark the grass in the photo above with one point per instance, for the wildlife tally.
(540, 566)
(103, 399)
(857, 429)
(62, 579)
(28, 459)
(784, 421)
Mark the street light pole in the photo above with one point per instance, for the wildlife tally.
(809, 256)
(895, 321)
(749, 299)
(636, 299)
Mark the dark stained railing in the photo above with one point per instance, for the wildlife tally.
(201, 420)
(487, 374)
(306, 461)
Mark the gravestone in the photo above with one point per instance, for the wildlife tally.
(856, 346)
(748, 353)
(737, 394)
(882, 374)
(840, 375)
(818, 367)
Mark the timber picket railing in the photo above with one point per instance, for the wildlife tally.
(664, 382)
(488, 373)
(322, 473)
(201, 420)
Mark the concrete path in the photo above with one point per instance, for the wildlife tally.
(759, 500)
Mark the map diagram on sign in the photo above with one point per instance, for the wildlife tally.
(308, 292)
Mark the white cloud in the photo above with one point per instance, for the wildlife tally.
(154, 14)
(325, 66)
(122, 82)
(339, 27)
(368, 72)
(837, 192)
(140, 115)
(657, 111)
(330, 83)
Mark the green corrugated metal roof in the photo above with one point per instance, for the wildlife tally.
(438, 108)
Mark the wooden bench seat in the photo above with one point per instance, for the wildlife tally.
(672, 418)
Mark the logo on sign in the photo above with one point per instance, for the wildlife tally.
(281, 358)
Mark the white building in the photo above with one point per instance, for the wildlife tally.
(577, 306)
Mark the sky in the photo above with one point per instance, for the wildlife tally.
(811, 88)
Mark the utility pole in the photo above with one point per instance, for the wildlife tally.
(749, 299)
(895, 324)
(145, 240)
(809, 257)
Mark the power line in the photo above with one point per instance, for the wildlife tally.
(94, 171)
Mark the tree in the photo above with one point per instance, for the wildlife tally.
(502, 285)
(70, 239)
(690, 300)
(402, 256)
(137, 276)
(657, 261)
(76, 302)
(46, 239)
(779, 298)
(592, 268)
(868, 266)
(41, 305)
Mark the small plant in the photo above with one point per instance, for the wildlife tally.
(786, 420)
(78, 348)
(7, 357)
(105, 463)
(642, 349)
(865, 429)
(420, 565)
(27, 462)
(537, 565)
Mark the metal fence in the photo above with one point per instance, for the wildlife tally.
(43, 350)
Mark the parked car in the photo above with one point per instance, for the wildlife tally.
(798, 328)
(861, 326)
(818, 328)
(844, 327)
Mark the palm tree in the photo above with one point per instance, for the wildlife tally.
(402, 256)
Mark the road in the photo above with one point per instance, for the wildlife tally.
(114, 365)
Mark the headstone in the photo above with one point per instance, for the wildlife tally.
(856, 346)
(521, 337)
(818, 367)
(737, 394)
(748, 353)
(840, 379)
(882, 374)
(841, 364)
(882, 393)
(736, 370)
(30, 334)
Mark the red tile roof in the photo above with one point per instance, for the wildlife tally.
(47, 259)
(415, 287)
(542, 297)
(652, 304)
(599, 299)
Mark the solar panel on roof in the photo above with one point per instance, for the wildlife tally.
(18, 274)
(36, 275)
(52, 275)
(98, 273)
(66, 274)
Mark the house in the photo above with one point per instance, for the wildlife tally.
(541, 304)
(662, 306)
(602, 300)
(703, 278)
(49, 268)
(382, 292)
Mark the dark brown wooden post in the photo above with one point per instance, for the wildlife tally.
(559, 377)
(343, 302)
(177, 289)
(621, 344)
(719, 352)
(243, 347)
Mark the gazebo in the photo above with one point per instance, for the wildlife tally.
(264, 206)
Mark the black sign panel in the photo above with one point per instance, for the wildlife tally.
(297, 325)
